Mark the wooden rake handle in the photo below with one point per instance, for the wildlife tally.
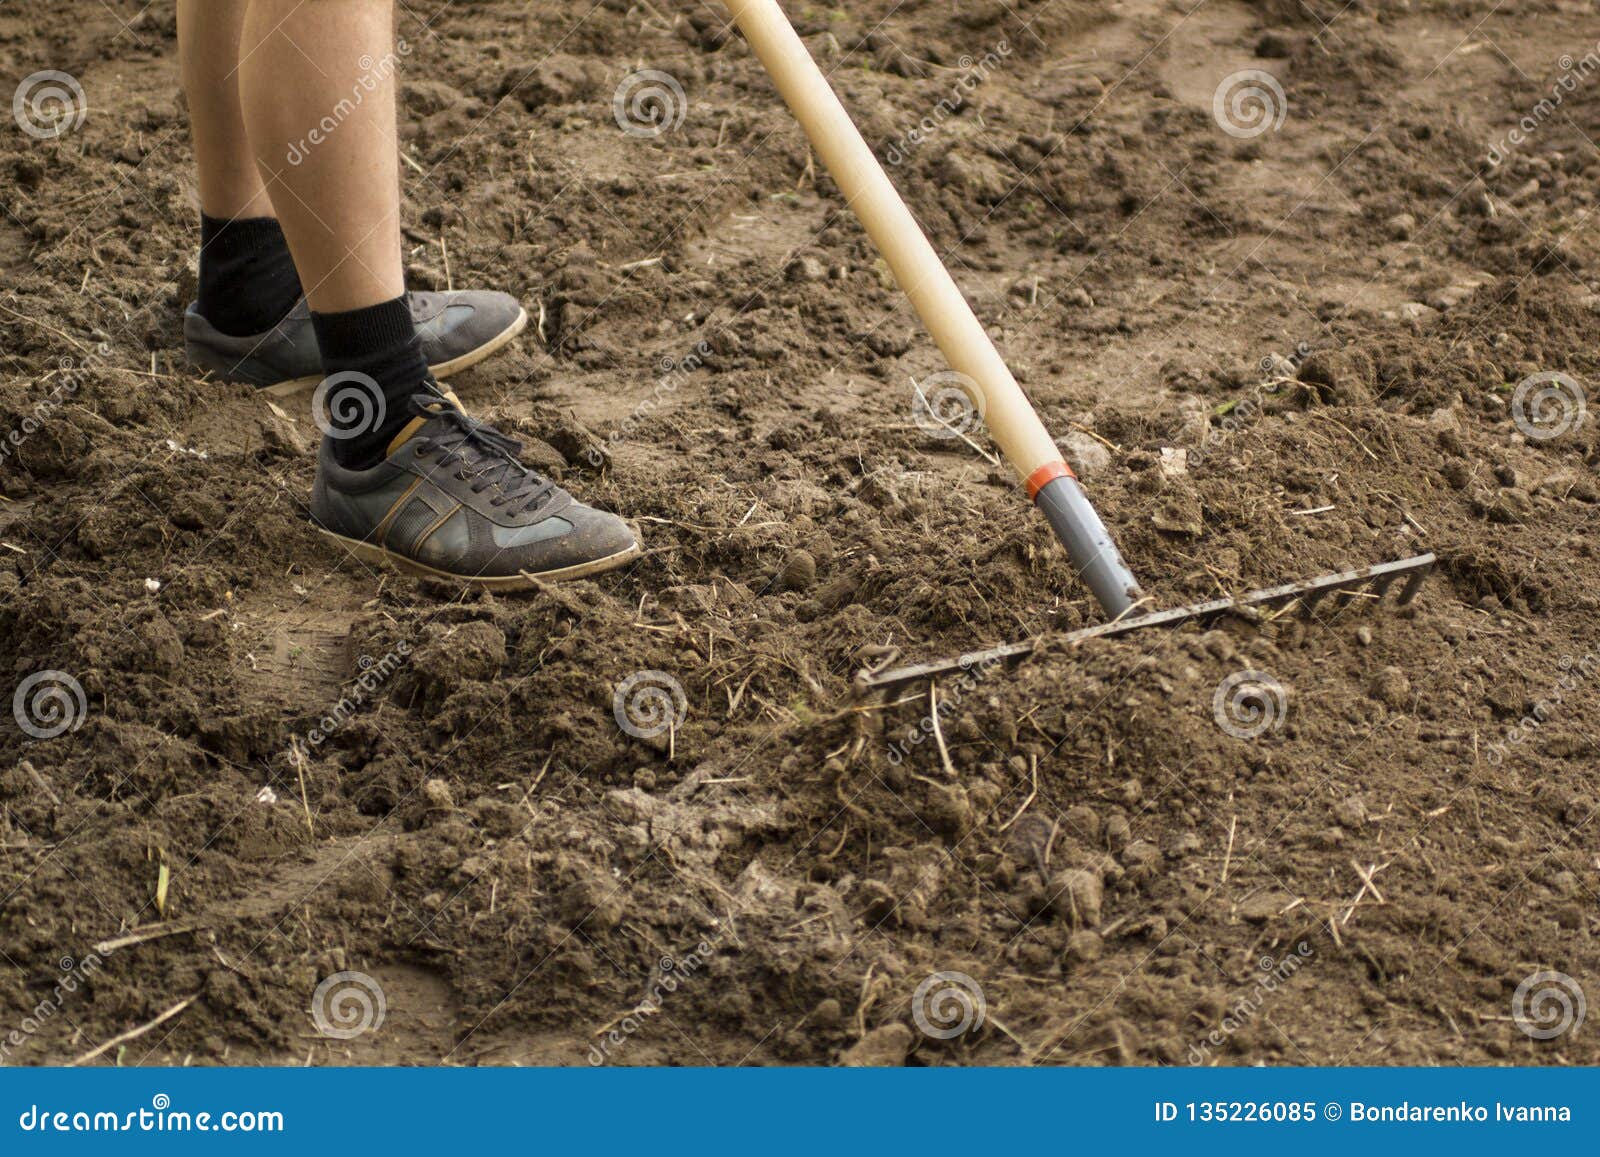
(1010, 417)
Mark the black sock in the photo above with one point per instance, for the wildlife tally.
(379, 342)
(247, 278)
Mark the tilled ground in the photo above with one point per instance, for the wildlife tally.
(1352, 839)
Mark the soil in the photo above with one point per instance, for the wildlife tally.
(289, 765)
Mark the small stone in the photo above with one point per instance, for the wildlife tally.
(1401, 226)
(1364, 635)
(1415, 311)
(1391, 687)
(1084, 947)
(806, 268)
(798, 573)
(1184, 844)
(828, 1014)
(436, 794)
(1140, 854)
(592, 901)
(884, 1047)
(1083, 823)
(1525, 191)
(1351, 813)
(1078, 897)
(1088, 456)
(1264, 906)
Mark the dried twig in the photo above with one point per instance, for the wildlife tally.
(938, 733)
(133, 1033)
(1034, 762)
(141, 935)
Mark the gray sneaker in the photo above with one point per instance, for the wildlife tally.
(452, 501)
(458, 329)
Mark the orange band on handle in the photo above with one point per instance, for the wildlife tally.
(1045, 475)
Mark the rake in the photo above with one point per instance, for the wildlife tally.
(989, 384)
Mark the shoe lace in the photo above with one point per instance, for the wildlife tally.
(486, 457)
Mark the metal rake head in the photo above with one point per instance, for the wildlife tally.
(1370, 584)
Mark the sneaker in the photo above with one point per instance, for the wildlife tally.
(452, 500)
(458, 329)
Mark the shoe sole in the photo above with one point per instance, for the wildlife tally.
(441, 371)
(367, 552)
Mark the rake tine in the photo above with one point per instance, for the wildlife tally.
(1347, 587)
(1413, 585)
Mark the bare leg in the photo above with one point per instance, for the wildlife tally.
(208, 49)
(313, 69)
